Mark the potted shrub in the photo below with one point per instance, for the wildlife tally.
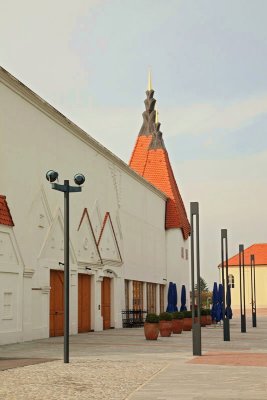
(203, 319)
(177, 322)
(151, 327)
(208, 317)
(165, 324)
(187, 321)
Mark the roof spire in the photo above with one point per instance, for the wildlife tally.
(157, 141)
(148, 115)
(157, 116)
(149, 86)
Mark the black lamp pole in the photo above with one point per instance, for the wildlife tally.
(196, 327)
(242, 288)
(79, 179)
(253, 290)
(224, 250)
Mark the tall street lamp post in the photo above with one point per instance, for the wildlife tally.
(79, 179)
(196, 327)
(224, 250)
(253, 290)
(242, 288)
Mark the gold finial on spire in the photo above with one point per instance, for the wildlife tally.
(149, 87)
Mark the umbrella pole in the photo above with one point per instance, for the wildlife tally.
(196, 328)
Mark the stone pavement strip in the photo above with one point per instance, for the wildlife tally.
(9, 363)
(81, 379)
(121, 364)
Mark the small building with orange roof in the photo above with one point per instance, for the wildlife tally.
(259, 250)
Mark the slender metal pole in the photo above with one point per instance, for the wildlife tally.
(242, 288)
(253, 290)
(66, 188)
(66, 272)
(196, 327)
(198, 270)
(192, 265)
(227, 290)
(240, 284)
(226, 324)
(244, 292)
(255, 301)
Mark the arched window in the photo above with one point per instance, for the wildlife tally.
(231, 281)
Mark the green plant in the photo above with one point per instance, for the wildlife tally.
(152, 318)
(165, 316)
(177, 315)
(208, 311)
(203, 285)
(203, 312)
(187, 314)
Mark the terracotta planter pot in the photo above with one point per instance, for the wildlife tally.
(187, 324)
(151, 331)
(177, 325)
(165, 328)
(208, 320)
(203, 320)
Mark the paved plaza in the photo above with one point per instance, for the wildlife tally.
(121, 364)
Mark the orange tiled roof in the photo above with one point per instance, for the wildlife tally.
(150, 159)
(158, 171)
(139, 154)
(5, 216)
(260, 252)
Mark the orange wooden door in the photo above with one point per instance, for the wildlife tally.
(106, 302)
(56, 303)
(84, 303)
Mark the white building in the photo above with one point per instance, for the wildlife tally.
(124, 250)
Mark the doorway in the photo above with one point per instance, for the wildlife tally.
(84, 303)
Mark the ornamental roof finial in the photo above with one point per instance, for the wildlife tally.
(149, 86)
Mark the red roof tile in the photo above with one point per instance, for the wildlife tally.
(260, 252)
(5, 216)
(154, 165)
(139, 154)
(158, 171)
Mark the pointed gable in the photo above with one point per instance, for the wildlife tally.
(260, 252)
(87, 246)
(108, 244)
(5, 215)
(53, 247)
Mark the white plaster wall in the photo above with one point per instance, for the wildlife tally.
(143, 226)
(177, 267)
(31, 144)
(11, 288)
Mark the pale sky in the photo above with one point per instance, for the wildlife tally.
(90, 58)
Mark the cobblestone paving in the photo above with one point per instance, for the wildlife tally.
(81, 379)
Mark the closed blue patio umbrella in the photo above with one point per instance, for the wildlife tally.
(175, 297)
(170, 306)
(220, 302)
(183, 299)
(214, 302)
(228, 310)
